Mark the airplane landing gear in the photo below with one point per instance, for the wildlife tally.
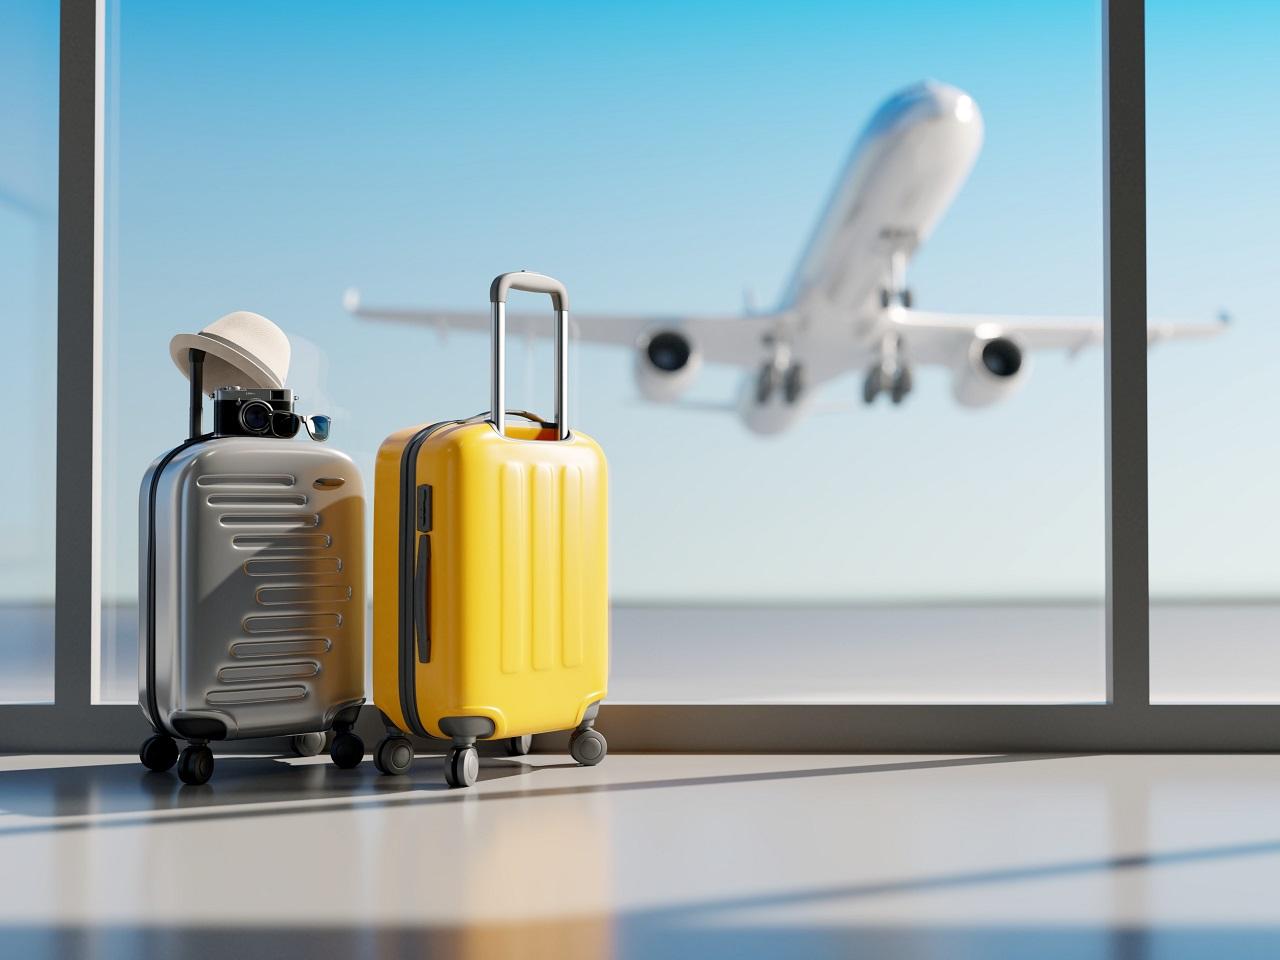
(789, 378)
(902, 296)
(891, 375)
(766, 383)
(793, 383)
(901, 385)
(896, 383)
(872, 385)
(895, 289)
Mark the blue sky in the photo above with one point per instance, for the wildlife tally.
(662, 157)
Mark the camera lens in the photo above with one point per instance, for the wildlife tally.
(255, 416)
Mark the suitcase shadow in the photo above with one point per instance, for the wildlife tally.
(105, 789)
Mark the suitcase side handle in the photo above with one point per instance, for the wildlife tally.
(532, 283)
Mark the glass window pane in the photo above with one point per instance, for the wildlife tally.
(28, 314)
(922, 551)
(1212, 154)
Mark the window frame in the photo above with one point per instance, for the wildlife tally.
(1126, 721)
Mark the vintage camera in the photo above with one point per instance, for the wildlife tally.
(251, 412)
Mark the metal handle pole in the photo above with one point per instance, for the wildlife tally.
(196, 375)
(562, 374)
(497, 395)
(535, 283)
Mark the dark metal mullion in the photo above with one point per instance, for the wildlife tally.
(76, 413)
(1125, 351)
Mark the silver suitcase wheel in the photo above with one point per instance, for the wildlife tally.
(195, 765)
(347, 750)
(158, 753)
(308, 744)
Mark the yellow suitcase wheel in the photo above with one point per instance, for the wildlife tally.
(518, 746)
(461, 766)
(588, 747)
(393, 756)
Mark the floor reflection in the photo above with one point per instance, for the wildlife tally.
(640, 936)
(1125, 858)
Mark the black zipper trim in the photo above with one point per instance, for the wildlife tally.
(408, 530)
(153, 705)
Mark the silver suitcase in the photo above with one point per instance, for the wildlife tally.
(251, 598)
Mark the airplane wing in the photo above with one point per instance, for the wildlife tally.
(724, 339)
(934, 337)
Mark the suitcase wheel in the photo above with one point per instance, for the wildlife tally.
(588, 747)
(195, 765)
(158, 753)
(347, 750)
(307, 744)
(393, 756)
(518, 746)
(461, 766)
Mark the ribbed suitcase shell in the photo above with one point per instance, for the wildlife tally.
(517, 585)
(251, 588)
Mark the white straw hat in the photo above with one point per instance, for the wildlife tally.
(241, 349)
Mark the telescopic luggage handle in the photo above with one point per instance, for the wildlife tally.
(195, 361)
(532, 283)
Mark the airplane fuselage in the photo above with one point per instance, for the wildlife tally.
(901, 176)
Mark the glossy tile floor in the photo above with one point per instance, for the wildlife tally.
(646, 856)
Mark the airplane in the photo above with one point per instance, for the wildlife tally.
(847, 306)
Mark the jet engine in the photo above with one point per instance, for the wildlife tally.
(994, 366)
(666, 365)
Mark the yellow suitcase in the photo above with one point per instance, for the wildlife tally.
(490, 571)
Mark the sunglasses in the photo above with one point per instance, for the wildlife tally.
(317, 426)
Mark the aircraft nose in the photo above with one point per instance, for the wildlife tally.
(927, 103)
(943, 101)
